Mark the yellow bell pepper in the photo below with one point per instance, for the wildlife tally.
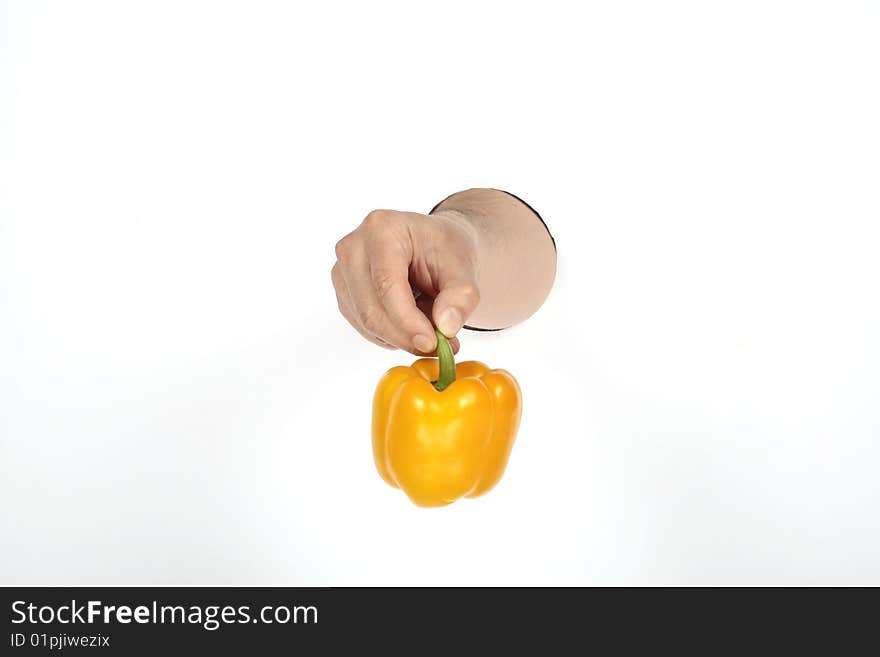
(444, 430)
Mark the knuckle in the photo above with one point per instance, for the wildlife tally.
(343, 248)
(384, 285)
(370, 318)
(344, 308)
(377, 218)
(470, 292)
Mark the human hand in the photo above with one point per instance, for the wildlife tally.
(399, 272)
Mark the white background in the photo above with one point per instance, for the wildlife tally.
(180, 401)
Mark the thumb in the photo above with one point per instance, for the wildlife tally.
(456, 301)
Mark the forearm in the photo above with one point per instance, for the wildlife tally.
(516, 257)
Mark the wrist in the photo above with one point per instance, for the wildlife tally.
(462, 223)
(464, 235)
(514, 249)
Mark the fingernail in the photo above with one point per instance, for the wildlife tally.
(449, 322)
(423, 343)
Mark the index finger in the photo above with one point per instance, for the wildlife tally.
(389, 271)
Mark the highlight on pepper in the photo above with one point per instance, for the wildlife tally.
(444, 430)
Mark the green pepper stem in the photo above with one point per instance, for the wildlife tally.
(447, 363)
